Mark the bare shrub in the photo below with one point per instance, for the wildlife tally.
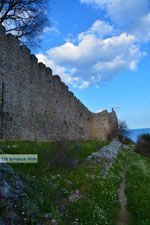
(121, 133)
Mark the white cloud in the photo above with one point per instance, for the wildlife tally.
(142, 30)
(99, 28)
(70, 38)
(121, 11)
(96, 58)
(84, 84)
(52, 30)
(131, 15)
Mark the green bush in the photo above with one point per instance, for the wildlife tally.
(143, 144)
(138, 188)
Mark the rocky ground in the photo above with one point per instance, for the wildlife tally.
(11, 194)
(106, 155)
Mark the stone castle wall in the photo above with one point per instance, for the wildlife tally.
(36, 105)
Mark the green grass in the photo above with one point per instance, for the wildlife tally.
(100, 203)
(49, 152)
(49, 184)
(138, 188)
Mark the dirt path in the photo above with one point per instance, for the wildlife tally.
(124, 215)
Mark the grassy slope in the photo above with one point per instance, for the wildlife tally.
(49, 185)
(138, 188)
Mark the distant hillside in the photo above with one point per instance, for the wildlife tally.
(134, 133)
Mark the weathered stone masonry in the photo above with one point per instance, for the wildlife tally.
(36, 105)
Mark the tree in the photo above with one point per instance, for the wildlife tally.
(122, 130)
(121, 133)
(25, 19)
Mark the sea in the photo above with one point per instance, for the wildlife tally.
(134, 133)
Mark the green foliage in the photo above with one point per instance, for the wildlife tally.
(52, 155)
(145, 137)
(138, 188)
(40, 200)
(48, 187)
(143, 144)
(49, 184)
(100, 202)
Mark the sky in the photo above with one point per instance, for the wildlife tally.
(101, 50)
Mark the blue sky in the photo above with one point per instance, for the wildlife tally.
(101, 49)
